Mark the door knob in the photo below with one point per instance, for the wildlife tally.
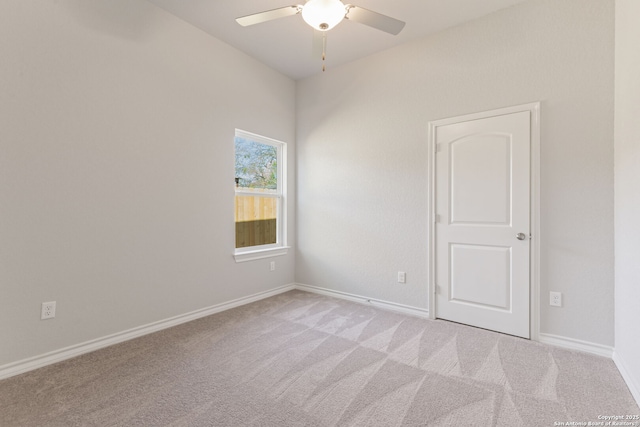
(521, 236)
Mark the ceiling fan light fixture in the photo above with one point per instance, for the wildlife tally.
(323, 15)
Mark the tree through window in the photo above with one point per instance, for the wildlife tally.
(256, 164)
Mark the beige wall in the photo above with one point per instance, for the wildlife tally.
(362, 155)
(627, 192)
(117, 123)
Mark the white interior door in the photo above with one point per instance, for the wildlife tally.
(482, 206)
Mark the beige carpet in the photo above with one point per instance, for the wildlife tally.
(300, 359)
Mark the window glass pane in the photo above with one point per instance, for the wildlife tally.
(256, 165)
(256, 220)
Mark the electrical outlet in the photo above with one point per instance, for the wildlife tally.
(402, 277)
(555, 299)
(48, 310)
(272, 266)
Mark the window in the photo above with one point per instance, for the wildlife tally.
(260, 196)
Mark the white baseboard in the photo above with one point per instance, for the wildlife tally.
(632, 383)
(406, 309)
(574, 344)
(21, 366)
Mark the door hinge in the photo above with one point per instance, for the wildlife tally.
(437, 147)
(436, 218)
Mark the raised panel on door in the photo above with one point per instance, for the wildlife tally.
(480, 276)
(480, 179)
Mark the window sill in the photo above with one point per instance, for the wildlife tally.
(260, 253)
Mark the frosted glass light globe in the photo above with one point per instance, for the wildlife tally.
(323, 15)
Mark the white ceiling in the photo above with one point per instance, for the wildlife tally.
(286, 44)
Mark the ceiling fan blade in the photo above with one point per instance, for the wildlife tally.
(269, 15)
(373, 19)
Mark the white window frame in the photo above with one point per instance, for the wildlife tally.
(280, 247)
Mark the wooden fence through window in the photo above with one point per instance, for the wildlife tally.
(256, 220)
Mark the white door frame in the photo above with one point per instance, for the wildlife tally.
(534, 262)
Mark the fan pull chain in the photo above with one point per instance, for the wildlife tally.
(324, 49)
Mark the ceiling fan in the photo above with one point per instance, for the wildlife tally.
(323, 15)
